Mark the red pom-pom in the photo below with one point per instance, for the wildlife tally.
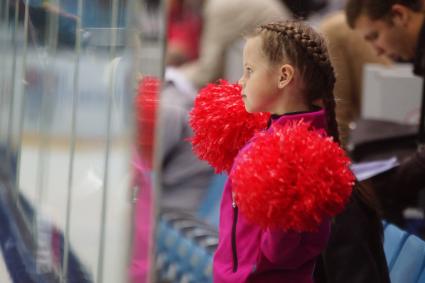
(146, 108)
(291, 178)
(221, 124)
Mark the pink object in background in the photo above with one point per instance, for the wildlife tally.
(142, 241)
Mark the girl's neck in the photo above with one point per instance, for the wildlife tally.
(290, 108)
(291, 99)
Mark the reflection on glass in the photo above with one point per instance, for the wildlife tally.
(149, 46)
(65, 101)
(184, 240)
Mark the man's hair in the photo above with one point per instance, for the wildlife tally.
(376, 9)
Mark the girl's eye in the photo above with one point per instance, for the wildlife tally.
(248, 70)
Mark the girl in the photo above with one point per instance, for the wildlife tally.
(287, 72)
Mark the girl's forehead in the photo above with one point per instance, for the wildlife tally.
(253, 47)
(253, 42)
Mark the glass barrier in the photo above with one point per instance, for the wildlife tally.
(69, 71)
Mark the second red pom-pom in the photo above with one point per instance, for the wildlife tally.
(292, 178)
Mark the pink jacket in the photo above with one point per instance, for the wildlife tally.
(246, 253)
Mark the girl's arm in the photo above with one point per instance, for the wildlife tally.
(292, 249)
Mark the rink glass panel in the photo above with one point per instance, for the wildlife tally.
(68, 75)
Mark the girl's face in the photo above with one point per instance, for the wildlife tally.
(259, 92)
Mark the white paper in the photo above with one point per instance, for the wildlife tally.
(366, 170)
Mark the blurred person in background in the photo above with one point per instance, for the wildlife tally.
(184, 31)
(185, 178)
(356, 232)
(39, 13)
(349, 53)
(96, 13)
(396, 28)
(164, 109)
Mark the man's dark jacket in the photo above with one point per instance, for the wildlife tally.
(409, 178)
(355, 250)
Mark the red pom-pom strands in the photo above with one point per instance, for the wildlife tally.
(291, 178)
(146, 108)
(221, 124)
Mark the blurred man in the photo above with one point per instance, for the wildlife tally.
(349, 53)
(396, 28)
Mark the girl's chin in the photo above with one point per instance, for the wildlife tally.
(249, 110)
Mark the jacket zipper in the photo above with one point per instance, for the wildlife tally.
(234, 251)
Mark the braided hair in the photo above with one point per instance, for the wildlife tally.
(305, 49)
(299, 44)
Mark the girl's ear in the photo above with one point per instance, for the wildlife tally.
(286, 74)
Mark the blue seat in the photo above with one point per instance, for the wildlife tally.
(171, 238)
(421, 278)
(409, 262)
(209, 209)
(172, 273)
(166, 241)
(208, 270)
(161, 233)
(200, 261)
(188, 278)
(184, 250)
(394, 239)
(185, 242)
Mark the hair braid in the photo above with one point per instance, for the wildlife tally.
(330, 104)
(304, 45)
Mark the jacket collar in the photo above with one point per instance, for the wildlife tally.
(316, 118)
